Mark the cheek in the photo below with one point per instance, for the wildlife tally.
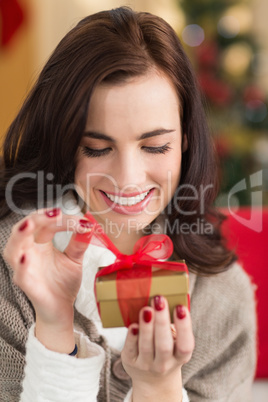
(91, 175)
(80, 174)
(80, 182)
(83, 179)
(169, 172)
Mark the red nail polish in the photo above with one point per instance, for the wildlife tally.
(51, 213)
(159, 303)
(23, 226)
(22, 260)
(85, 224)
(181, 312)
(135, 331)
(147, 315)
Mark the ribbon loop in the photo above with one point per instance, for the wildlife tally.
(148, 248)
(153, 247)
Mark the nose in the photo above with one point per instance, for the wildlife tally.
(129, 172)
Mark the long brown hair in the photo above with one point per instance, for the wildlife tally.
(112, 46)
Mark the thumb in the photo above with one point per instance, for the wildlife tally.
(76, 249)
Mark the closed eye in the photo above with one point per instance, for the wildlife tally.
(157, 150)
(94, 153)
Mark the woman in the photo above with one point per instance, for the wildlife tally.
(115, 125)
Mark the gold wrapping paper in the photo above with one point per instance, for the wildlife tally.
(171, 284)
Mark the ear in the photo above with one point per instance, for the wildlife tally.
(184, 145)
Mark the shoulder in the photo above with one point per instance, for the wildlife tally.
(224, 326)
(231, 288)
(226, 300)
(224, 317)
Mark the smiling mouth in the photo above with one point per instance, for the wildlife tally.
(127, 201)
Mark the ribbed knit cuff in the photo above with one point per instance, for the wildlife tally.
(57, 377)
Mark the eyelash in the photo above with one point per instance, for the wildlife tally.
(94, 153)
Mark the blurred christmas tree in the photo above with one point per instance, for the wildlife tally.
(218, 38)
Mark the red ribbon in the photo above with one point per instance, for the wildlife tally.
(136, 267)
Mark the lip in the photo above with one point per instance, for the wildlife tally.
(125, 209)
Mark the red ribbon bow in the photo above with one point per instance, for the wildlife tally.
(137, 267)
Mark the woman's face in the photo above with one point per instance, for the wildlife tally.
(129, 159)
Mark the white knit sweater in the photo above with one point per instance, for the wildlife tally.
(49, 375)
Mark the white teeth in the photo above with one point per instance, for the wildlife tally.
(123, 201)
(129, 201)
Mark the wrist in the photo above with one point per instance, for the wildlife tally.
(161, 389)
(154, 394)
(58, 337)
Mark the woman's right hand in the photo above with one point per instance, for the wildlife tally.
(50, 279)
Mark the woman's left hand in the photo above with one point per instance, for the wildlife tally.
(153, 355)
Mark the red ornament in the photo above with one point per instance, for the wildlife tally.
(12, 17)
(216, 90)
(253, 93)
(207, 55)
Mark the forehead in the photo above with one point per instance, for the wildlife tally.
(137, 104)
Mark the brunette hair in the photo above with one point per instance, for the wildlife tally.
(112, 46)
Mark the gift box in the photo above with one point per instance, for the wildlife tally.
(127, 285)
(121, 310)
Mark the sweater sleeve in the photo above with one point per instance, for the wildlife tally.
(56, 377)
(223, 363)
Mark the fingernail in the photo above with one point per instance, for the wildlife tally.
(23, 226)
(135, 331)
(22, 260)
(159, 303)
(147, 315)
(51, 213)
(181, 312)
(85, 224)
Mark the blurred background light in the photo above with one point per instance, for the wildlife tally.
(241, 13)
(256, 111)
(260, 150)
(228, 26)
(237, 58)
(193, 35)
(260, 64)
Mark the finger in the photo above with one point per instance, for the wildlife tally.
(130, 351)
(146, 336)
(21, 237)
(164, 344)
(76, 249)
(40, 227)
(49, 222)
(37, 227)
(20, 276)
(184, 343)
(53, 221)
(33, 227)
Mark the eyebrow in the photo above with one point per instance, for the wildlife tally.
(154, 133)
